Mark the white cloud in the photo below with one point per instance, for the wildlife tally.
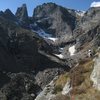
(95, 4)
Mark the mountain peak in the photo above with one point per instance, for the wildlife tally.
(1, 13)
(7, 14)
(8, 11)
(22, 13)
(24, 5)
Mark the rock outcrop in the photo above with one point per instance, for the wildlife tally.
(22, 14)
(95, 75)
(48, 91)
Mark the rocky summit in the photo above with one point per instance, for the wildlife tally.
(52, 55)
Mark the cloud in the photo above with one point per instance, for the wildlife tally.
(95, 4)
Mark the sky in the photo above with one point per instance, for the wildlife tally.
(31, 4)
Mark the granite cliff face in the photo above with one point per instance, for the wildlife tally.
(55, 20)
(37, 50)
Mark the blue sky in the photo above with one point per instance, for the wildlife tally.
(31, 4)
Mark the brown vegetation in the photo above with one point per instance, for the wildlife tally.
(82, 85)
(60, 83)
(61, 97)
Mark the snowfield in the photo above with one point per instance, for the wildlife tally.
(80, 13)
(44, 35)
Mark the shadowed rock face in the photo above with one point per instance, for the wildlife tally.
(19, 52)
(7, 61)
(18, 49)
(8, 15)
(20, 87)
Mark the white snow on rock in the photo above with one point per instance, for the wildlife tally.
(77, 12)
(95, 4)
(44, 35)
(52, 38)
(61, 49)
(59, 55)
(80, 13)
(72, 50)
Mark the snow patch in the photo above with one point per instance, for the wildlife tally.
(43, 34)
(59, 55)
(52, 38)
(61, 48)
(80, 13)
(72, 50)
(95, 4)
(46, 35)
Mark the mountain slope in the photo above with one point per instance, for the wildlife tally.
(47, 51)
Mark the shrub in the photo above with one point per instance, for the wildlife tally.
(58, 89)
